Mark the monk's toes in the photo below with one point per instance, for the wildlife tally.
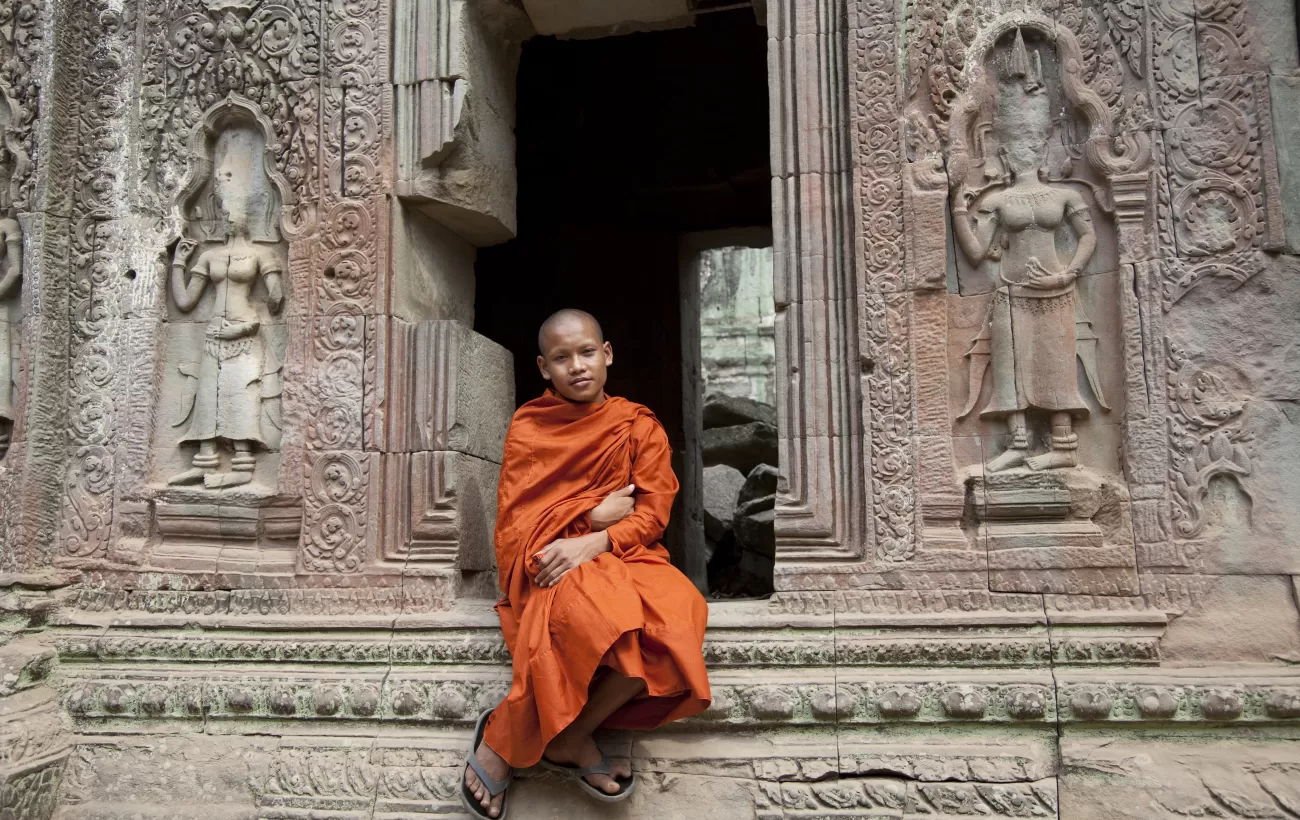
(609, 786)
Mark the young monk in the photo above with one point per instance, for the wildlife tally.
(603, 630)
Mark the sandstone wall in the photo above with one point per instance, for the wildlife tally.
(1035, 271)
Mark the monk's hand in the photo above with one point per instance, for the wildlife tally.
(559, 558)
(613, 509)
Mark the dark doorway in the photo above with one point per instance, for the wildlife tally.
(625, 145)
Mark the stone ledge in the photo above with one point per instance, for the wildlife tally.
(99, 697)
(472, 637)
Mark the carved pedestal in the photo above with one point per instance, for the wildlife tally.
(1055, 531)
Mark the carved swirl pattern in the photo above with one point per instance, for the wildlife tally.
(22, 47)
(335, 517)
(345, 281)
(885, 302)
(198, 52)
(335, 381)
(97, 282)
(1208, 438)
(940, 32)
(1213, 203)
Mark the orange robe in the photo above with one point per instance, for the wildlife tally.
(628, 609)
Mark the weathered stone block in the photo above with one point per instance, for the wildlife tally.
(722, 485)
(440, 508)
(722, 410)
(448, 388)
(742, 446)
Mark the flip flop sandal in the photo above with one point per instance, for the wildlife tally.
(494, 787)
(625, 785)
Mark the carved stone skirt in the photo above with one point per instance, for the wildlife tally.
(8, 354)
(228, 403)
(1032, 354)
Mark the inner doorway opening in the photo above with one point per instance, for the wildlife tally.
(637, 154)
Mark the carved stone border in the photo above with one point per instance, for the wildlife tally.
(809, 696)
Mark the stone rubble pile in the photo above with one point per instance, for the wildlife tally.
(740, 495)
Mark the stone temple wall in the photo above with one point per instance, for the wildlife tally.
(737, 318)
(1037, 273)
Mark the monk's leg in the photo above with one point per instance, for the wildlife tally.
(575, 745)
(497, 768)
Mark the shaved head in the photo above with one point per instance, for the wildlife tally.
(564, 317)
(574, 355)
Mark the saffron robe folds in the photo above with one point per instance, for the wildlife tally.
(628, 609)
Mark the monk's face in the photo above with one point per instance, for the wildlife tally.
(574, 359)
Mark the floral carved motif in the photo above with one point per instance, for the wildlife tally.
(1208, 438)
(97, 281)
(335, 522)
(1217, 185)
(884, 302)
(268, 51)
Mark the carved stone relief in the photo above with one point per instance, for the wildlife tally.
(1037, 531)
(1036, 326)
(226, 291)
(11, 274)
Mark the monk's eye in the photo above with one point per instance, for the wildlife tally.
(589, 351)
(560, 358)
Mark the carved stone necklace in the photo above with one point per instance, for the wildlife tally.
(1036, 196)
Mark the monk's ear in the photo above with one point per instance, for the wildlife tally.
(541, 365)
(609, 354)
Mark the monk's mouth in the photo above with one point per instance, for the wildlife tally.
(580, 382)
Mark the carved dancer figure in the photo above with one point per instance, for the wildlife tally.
(226, 402)
(1035, 327)
(603, 630)
(12, 237)
(12, 163)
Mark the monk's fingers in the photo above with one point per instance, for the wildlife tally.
(547, 557)
(623, 493)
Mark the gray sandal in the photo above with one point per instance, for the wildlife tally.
(494, 787)
(579, 773)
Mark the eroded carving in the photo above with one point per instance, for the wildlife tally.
(1208, 438)
(10, 329)
(1036, 325)
(232, 384)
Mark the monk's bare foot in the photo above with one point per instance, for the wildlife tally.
(497, 769)
(583, 752)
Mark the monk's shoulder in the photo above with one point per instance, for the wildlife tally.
(522, 430)
(638, 414)
(646, 426)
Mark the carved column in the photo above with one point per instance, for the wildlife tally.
(819, 510)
